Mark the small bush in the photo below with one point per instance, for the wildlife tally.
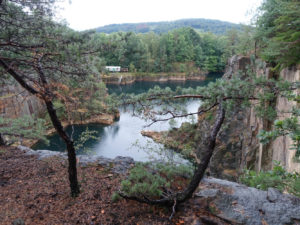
(277, 178)
(115, 197)
(152, 181)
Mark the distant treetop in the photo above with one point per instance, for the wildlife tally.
(204, 25)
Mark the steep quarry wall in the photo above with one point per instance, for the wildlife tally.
(239, 147)
(280, 149)
(16, 102)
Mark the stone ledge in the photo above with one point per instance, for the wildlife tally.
(119, 164)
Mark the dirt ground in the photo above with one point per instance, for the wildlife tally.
(37, 192)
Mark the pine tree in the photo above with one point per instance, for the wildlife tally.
(39, 53)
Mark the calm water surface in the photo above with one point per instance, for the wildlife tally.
(123, 138)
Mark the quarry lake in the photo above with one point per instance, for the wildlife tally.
(123, 138)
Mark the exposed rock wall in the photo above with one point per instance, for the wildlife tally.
(16, 102)
(130, 78)
(281, 148)
(239, 147)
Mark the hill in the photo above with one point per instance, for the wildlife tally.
(205, 25)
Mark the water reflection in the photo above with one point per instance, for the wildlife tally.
(118, 139)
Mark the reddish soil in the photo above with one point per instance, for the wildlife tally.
(37, 192)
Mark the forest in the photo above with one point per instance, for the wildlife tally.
(179, 50)
(46, 63)
(170, 52)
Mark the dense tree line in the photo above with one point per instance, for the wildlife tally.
(179, 50)
(278, 32)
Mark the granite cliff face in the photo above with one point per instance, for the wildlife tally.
(280, 148)
(239, 147)
(16, 102)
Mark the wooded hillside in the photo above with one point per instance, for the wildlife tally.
(204, 25)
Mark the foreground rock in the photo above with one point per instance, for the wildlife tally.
(239, 204)
(118, 165)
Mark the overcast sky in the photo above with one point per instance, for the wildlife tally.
(87, 14)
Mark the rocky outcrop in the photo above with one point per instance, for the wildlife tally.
(16, 102)
(238, 204)
(280, 149)
(239, 147)
(129, 78)
(155, 135)
(104, 118)
(119, 164)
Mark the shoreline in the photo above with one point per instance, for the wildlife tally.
(103, 119)
(129, 78)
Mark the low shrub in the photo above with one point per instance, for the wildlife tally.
(277, 178)
(153, 181)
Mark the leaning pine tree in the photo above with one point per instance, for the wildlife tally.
(37, 53)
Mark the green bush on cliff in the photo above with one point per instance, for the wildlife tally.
(286, 127)
(277, 178)
(24, 127)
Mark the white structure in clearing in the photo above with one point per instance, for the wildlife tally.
(113, 68)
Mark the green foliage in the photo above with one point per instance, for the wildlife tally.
(152, 181)
(179, 50)
(278, 32)
(63, 56)
(23, 127)
(289, 126)
(60, 109)
(85, 136)
(2, 151)
(141, 182)
(172, 123)
(131, 67)
(115, 197)
(277, 178)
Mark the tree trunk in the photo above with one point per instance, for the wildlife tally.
(70, 148)
(2, 142)
(202, 166)
(46, 96)
(179, 197)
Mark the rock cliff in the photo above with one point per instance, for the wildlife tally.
(239, 147)
(16, 102)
